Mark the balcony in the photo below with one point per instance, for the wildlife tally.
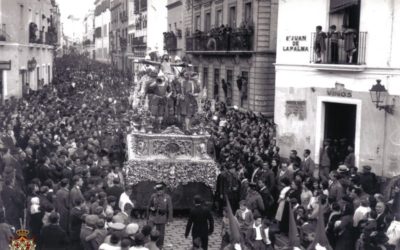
(123, 43)
(226, 40)
(346, 51)
(170, 41)
(137, 42)
(123, 16)
(140, 22)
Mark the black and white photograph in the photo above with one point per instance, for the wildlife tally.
(199, 124)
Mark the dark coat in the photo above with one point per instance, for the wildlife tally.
(53, 237)
(62, 205)
(330, 226)
(383, 221)
(14, 204)
(308, 167)
(74, 195)
(160, 208)
(268, 201)
(255, 203)
(345, 234)
(200, 222)
(369, 182)
(115, 191)
(75, 223)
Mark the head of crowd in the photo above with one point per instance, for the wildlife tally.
(62, 150)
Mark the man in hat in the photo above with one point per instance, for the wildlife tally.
(160, 211)
(368, 180)
(200, 222)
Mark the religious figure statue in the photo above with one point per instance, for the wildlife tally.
(187, 92)
(165, 66)
(160, 98)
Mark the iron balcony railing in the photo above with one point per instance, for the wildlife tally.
(339, 48)
(239, 40)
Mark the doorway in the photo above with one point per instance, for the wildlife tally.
(340, 122)
(338, 117)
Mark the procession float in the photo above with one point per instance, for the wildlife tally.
(168, 138)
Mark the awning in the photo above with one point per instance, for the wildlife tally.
(337, 5)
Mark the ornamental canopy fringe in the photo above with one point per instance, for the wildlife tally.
(337, 5)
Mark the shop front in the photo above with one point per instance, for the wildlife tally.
(316, 110)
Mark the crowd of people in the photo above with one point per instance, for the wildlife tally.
(261, 185)
(62, 152)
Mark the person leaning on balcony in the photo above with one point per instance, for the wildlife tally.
(334, 36)
(319, 43)
(349, 36)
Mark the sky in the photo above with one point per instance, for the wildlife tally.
(77, 9)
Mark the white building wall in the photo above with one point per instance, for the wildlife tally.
(157, 24)
(16, 17)
(102, 44)
(378, 133)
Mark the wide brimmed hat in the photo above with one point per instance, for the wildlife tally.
(159, 186)
(343, 169)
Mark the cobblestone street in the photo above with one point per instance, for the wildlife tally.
(175, 236)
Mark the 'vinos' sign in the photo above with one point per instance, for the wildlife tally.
(340, 91)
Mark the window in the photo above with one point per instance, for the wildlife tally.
(248, 12)
(196, 69)
(136, 7)
(205, 77)
(218, 18)
(197, 24)
(143, 5)
(232, 16)
(207, 22)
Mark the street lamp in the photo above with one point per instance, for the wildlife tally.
(378, 95)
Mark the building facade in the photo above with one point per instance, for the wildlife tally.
(88, 34)
(326, 82)
(28, 33)
(150, 22)
(231, 44)
(102, 19)
(174, 39)
(119, 33)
